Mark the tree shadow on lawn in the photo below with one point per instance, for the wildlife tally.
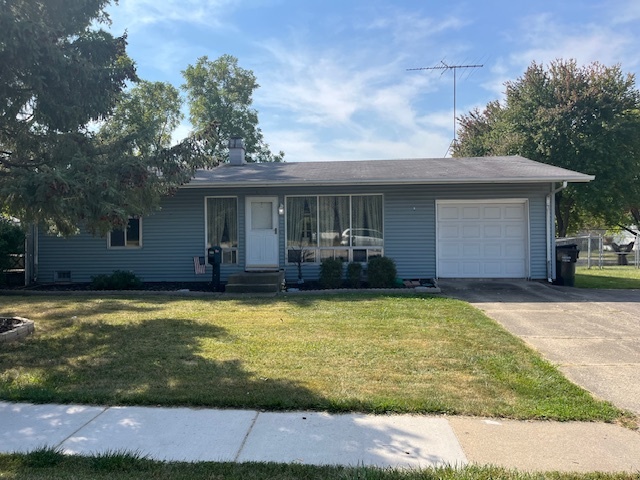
(306, 299)
(152, 362)
(71, 308)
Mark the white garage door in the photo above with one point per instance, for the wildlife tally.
(482, 239)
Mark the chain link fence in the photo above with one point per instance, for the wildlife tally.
(598, 250)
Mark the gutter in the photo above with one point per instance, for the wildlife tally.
(221, 183)
(550, 202)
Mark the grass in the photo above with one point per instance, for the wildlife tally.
(367, 353)
(48, 464)
(624, 277)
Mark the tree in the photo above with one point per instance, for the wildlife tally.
(220, 93)
(580, 118)
(60, 74)
(11, 241)
(148, 113)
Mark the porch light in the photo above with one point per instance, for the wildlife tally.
(281, 209)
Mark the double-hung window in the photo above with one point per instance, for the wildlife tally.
(128, 237)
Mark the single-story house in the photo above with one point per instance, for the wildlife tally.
(489, 217)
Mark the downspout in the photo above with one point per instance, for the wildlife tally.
(550, 206)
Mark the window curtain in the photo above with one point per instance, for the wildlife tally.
(222, 222)
(295, 221)
(334, 219)
(367, 215)
(302, 221)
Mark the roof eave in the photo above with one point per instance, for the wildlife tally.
(580, 179)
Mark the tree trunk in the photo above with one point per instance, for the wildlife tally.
(563, 210)
(636, 216)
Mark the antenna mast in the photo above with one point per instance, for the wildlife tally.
(444, 67)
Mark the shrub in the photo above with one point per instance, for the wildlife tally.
(381, 272)
(11, 241)
(118, 280)
(331, 273)
(354, 270)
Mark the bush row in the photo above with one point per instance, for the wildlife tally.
(381, 273)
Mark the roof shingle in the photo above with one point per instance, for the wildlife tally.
(511, 169)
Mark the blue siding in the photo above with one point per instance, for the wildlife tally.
(175, 234)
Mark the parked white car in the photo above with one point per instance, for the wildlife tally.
(362, 237)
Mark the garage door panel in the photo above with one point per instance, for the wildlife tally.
(471, 213)
(514, 250)
(450, 250)
(471, 269)
(514, 212)
(492, 250)
(472, 250)
(492, 213)
(448, 213)
(450, 268)
(493, 231)
(513, 268)
(447, 231)
(514, 231)
(492, 269)
(471, 231)
(477, 240)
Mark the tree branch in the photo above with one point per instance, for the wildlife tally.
(628, 229)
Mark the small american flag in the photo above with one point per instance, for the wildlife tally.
(199, 265)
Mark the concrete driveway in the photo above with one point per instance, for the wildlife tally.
(593, 336)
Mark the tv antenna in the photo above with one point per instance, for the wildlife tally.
(445, 67)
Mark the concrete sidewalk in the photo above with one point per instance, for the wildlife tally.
(185, 434)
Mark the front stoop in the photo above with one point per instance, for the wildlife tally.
(255, 282)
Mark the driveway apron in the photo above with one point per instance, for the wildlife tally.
(593, 336)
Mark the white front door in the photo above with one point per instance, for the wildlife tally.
(262, 233)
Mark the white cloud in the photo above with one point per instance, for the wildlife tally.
(418, 144)
(549, 40)
(543, 38)
(355, 100)
(625, 11)
(135, 14)
(310, 145)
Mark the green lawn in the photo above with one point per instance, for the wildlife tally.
(626, 277)
(368, 353)
(46, 464)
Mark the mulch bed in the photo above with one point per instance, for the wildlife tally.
(308, 285)
(7, 324)
(148, 286)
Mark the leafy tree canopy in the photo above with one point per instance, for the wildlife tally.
(581, 118)
(60, 74)
(220, 93)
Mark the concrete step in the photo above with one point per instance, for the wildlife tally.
(255, 282)
(248, 288)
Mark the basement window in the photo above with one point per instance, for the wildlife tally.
(62, 276)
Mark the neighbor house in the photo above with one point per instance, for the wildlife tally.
(488, 217)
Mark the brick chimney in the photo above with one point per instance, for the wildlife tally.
(236, 151)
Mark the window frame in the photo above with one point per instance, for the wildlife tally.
(233, 252)
(336, 251)
(126, 246)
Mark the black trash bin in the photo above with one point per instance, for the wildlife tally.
(215, 259)
(566, 258)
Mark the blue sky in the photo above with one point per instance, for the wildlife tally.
(333, 74)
